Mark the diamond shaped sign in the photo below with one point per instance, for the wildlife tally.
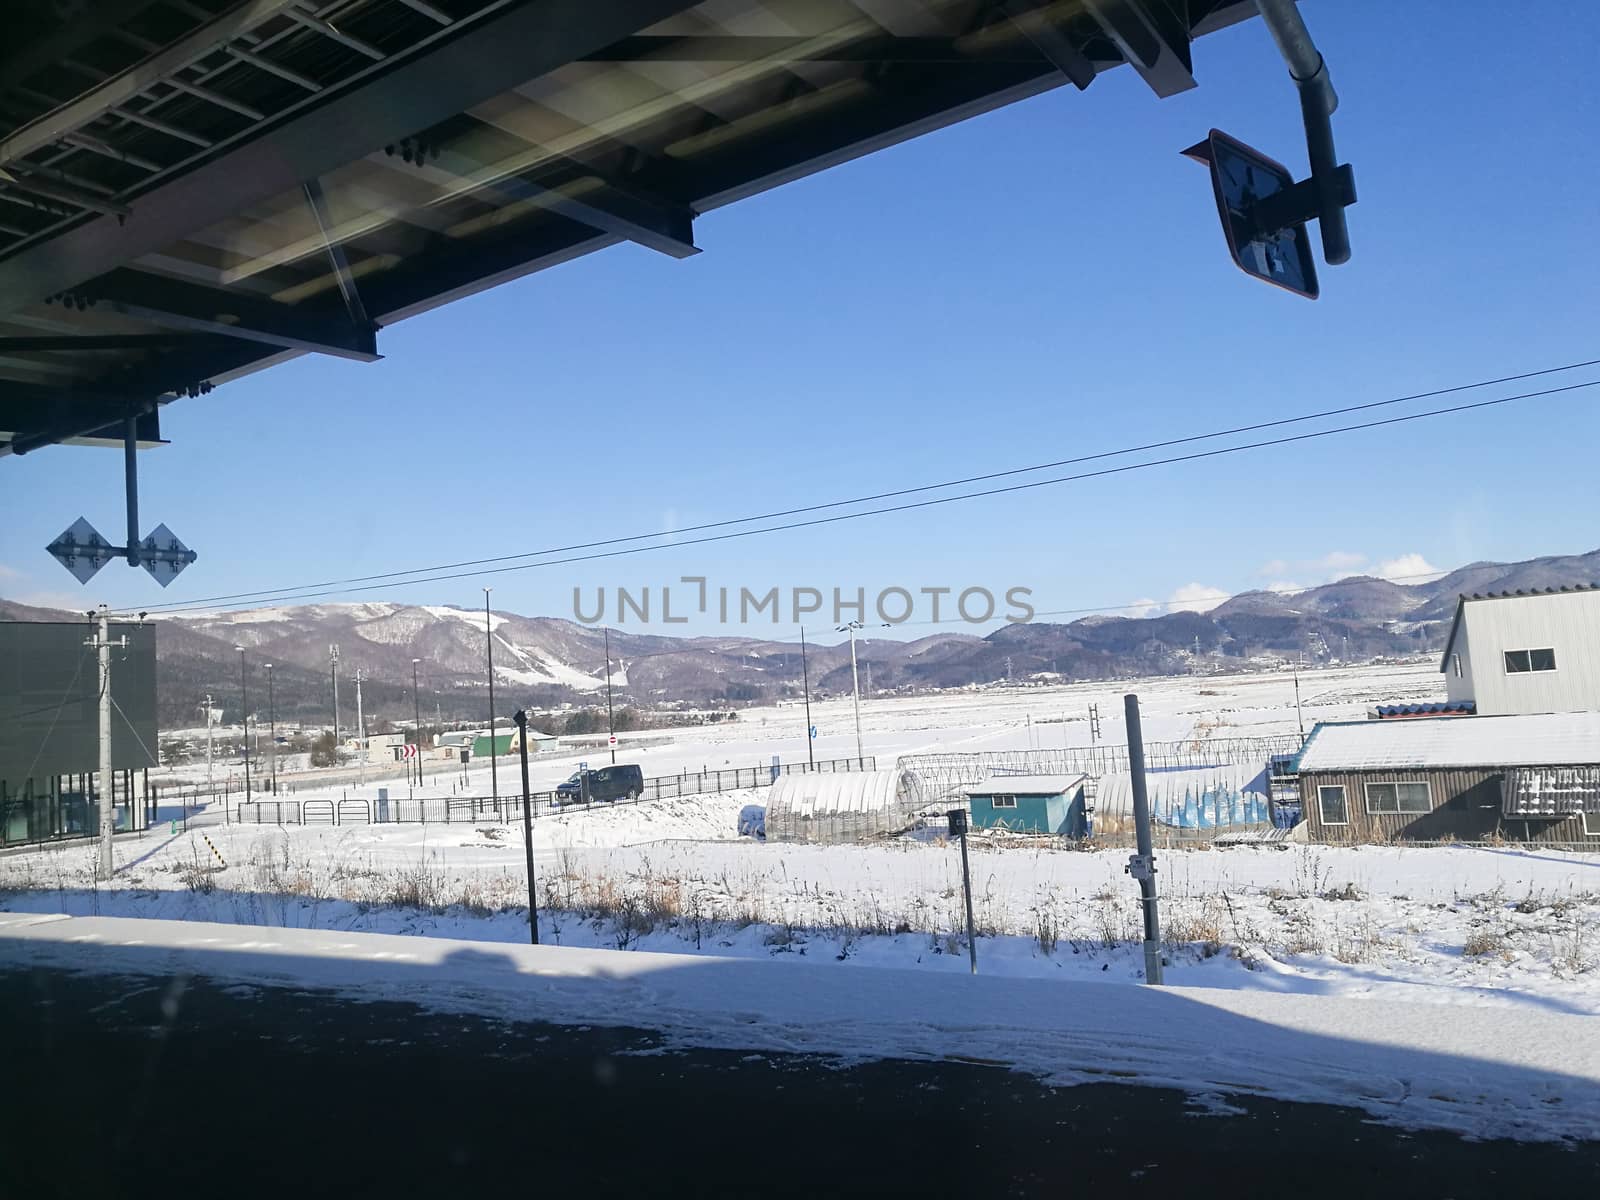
(81, 550)
(163, 555)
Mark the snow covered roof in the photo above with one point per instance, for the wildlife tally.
(1527, 740)
(1026, 785)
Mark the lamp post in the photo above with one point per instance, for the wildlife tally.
(272, 731)
(488, 639)
(244, 721)
(416, 717)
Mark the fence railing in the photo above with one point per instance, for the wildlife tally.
(479, 809)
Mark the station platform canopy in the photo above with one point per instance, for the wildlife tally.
(191, 190)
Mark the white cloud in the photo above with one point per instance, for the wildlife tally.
(1195, 597)
(1145, 606)
(7, 573)
(1332, 565)
(1408, 568)
(1285, 586)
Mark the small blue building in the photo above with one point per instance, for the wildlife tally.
(1030, 804)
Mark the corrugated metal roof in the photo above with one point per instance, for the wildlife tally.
(1535, 740)
(1439, 709)
(1025, 785)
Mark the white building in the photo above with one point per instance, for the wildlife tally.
(1525, 652)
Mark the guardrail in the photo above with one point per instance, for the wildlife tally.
(484, 809)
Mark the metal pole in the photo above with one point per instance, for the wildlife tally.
(333, 670)
(102, 645)
(272, 731)
(1142, 866)
(488, 638)
(966, 886)
(527, 829)
(1298, 717)
(805, 675)
(130, 471)
(244, 719)
(416, 717)
(611, 732)
(361, 733)
(855, 687)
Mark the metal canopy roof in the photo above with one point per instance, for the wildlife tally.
(194, 189)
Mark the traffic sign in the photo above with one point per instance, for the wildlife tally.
(82, 550)
(813, 733)
(612, 739)
(163, 555)
(409, 750)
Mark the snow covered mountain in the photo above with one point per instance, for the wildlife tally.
(544, 660)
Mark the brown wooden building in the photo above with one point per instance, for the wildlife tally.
(1529, 778)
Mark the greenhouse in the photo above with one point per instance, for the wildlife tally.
(847, 807)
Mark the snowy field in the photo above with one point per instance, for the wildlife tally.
(1500, 935)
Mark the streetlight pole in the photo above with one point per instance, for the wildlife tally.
(244, 719)
(611, 732)
(416, 717)
(527, 828)
(488, 640)
(272, 731)
(333, 673)
(805, 676)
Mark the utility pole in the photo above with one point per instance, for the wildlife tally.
(611, 732)
(416, 717)
(272, 731)
(361, 732)
(488, 639)
(1298, 716)
(101, 641)
(209, 784)
(1142, 866)
(244, 720)
(527, 829)
(855, 683)
(805, 676)
(333, 670)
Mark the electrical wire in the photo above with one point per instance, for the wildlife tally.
(1101, 455)
(300, 594)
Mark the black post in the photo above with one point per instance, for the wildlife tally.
(244, 717)
(1142, 866)
(611, 733)
(488, 638)
(805, 676)
(527, 828)
(958, 828)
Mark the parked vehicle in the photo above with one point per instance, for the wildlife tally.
(621, 781)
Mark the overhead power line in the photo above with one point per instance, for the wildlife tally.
(427, 574)
(722, 524)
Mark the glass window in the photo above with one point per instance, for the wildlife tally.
(1332, 806)
(1397, 798)
(1519, 662)
(1591, 824)
(1004, 802)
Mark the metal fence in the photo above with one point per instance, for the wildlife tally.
(481, 809)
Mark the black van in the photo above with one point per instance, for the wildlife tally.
(623, 781)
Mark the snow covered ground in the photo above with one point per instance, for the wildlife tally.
(1258, 940)
(1533, 1075)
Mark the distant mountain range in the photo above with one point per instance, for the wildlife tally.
(543, 661)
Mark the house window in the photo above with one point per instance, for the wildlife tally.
(1591, 823)
(1397, 798)
(1332, 806)
(1003, 801)
(1521, 662)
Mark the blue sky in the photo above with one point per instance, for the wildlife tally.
(1042, 282)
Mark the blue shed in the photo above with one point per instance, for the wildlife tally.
(1029, 804)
